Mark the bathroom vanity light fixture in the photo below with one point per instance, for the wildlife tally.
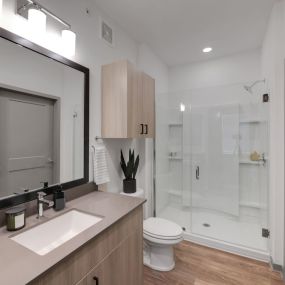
(207, 49)
(37, 16)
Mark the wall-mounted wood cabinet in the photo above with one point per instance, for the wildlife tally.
(128, 102)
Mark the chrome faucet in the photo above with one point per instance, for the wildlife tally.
(40, 203)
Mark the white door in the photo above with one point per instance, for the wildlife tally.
(26, 142)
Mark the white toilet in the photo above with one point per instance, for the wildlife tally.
(160, 236)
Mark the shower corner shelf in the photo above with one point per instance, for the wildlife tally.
(174, 158)
(256, 205)
(175, 124)
(174, 192)
(247, 161)
(252, 121)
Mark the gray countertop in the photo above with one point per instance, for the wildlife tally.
(19, 265)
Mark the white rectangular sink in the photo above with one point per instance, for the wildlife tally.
(46, 237)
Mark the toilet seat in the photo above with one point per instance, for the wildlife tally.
(161, 241)
(162, 230)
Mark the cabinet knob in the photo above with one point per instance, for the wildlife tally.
(96, 279)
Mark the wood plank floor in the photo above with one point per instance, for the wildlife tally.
(198, 265)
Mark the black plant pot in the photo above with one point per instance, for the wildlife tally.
(130, 186)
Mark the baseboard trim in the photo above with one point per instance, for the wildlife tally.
(276, 267)
(228, 247)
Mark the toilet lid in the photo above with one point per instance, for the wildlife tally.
(161, 228)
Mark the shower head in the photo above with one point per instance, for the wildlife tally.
(249, 88)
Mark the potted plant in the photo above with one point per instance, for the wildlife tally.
(130, 171)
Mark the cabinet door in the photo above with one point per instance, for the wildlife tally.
(133, 103)
(118, 101)
(140, 118)
(146, 106)
(124, 266)
(149, 105)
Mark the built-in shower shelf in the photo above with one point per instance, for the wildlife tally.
(247, 161)
(175, 124)
(175, 192)
(174, 158)
(252, 205)
(252, 121)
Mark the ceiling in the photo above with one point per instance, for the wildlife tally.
(178, 30)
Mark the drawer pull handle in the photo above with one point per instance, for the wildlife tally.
(142, 129)
(96, 279)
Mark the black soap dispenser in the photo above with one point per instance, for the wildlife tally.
(59, 199)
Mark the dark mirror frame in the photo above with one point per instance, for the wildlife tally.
(26, 197)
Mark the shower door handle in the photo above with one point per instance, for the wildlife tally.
(197, 173)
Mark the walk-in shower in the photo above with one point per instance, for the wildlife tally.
(212, 166)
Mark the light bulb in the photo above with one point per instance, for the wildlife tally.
(37, 20)
(69, 42)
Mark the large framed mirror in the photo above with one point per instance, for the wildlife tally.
(44, 121)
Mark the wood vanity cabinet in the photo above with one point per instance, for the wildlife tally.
(128, 102)
(114, 257)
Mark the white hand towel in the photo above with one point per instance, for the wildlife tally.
(101, 174)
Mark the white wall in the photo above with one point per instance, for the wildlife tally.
(92, 52)
(238, 68)
(273, 54)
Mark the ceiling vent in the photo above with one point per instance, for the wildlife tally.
(107, 33)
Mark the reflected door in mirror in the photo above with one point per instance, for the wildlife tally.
(26, 143)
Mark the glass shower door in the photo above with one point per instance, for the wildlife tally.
(215, 167)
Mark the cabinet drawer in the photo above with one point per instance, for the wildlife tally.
(123, 266)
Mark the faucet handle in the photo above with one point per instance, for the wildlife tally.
(45, 184)
(41, 194)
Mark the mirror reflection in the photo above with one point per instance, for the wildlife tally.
(41, 121)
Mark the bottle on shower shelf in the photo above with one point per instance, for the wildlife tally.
(255, 156)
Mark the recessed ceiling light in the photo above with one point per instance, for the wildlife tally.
(207, 49)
